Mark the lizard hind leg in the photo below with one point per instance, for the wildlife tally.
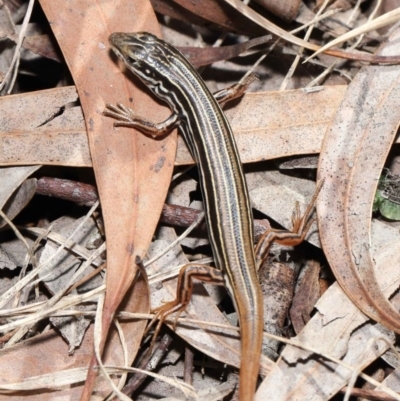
(301, 225)
(161, 314)
(184, 291)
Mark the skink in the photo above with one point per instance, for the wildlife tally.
(167, 73)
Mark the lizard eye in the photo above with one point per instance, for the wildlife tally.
(147, 37)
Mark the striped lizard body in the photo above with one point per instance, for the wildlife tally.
(226, 201)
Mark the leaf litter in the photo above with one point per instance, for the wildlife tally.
(47, 319)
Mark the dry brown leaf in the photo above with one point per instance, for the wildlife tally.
(132, 171)
(42, 45)
(16, 191)
(12, 255)
(11, 179)
(287, 9)
(43, 354)
(277, 286)
(33, 110)
(266, 125)
(170, 9)
(19, 199)
(8, 32)
(40, 128)
(199, 56)
(213, 11)
(352, 157)
(306, 296)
